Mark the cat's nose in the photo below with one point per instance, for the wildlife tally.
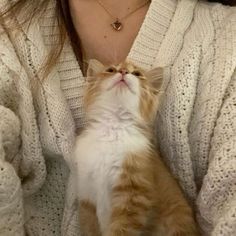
(123, 71)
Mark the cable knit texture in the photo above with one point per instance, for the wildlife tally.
(196, 125)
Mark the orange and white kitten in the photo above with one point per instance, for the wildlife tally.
(124, 189)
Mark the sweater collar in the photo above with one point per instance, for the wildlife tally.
(152, 32)
(161, 36)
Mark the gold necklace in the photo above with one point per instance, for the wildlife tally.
(117, 25)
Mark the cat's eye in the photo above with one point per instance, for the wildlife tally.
(136, 73)
(111, 70)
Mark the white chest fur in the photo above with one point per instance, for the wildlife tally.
(99, 155)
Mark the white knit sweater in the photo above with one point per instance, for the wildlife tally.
(196, 126)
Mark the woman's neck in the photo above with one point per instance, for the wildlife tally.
(94, 26)
(121, 7)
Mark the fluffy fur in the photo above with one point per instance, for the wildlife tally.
(124, 189)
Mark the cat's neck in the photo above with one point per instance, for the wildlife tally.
(111, 117)
(113, 123)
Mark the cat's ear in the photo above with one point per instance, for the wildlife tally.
(155, 76)
(94, 67)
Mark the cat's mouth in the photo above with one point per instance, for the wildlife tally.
(121, 83)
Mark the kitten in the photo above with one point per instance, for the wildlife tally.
(124, 189)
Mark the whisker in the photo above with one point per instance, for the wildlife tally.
(90, 78)
(90, 83)
(145, 91)
(151, 90)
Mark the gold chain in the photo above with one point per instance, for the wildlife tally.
(117, 25)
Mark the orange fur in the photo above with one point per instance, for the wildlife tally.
(88, 220)
(146, 200)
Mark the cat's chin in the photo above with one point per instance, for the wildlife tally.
(121, 85)
(123, 88)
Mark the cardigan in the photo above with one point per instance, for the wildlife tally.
(195, 127)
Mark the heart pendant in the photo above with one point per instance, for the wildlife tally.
(117, 25)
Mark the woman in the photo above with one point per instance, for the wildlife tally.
(41, 87)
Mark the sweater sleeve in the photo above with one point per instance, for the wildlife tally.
(11, 203)
(217, 197)
(11, 196)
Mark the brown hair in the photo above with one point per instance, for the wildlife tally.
(63, 18)
(225, 2)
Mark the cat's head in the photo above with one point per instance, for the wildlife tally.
(124, 86)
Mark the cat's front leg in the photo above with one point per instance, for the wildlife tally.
(131, 200)
(88, 219)
(129, 217)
